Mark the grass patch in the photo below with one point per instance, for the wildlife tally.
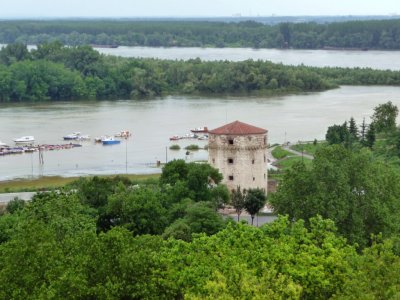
(289, 162)
(175, 147)
(280, 153)
(308, 148)
(55, 182)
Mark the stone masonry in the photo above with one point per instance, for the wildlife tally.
(239, 151)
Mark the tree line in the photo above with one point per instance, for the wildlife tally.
(366, 34)
(55, 72)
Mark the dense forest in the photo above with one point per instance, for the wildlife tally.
(56, 72)
(366, 34)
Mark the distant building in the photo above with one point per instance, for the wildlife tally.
(239, 152)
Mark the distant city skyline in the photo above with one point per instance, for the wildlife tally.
(187, 8)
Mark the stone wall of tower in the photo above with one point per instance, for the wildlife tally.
(242, 159)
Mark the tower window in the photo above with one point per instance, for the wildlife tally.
(231, 177)
(265, 158)
(230, 141)
(265, 140)
(213, 160)
(230, 160)
(252, 161)
(254, 178)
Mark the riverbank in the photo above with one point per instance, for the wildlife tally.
(54, 182)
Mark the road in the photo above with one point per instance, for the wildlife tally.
(287, 148)
(7, 197)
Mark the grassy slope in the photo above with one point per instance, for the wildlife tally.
(52, 182)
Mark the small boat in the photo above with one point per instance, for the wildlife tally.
(199, 130)
(190, 136)
(123, 134)
(110, 141)
(3, 145)
(203, 137)
(174, 138)
(99, 139)
(83, 138)
(30, 149)
(72, 136)
(25, 140)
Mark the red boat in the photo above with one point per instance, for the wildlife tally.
(174, 138)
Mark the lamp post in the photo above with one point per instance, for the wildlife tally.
(126, 155)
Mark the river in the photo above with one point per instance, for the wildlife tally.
(381, 60)
(288, 118)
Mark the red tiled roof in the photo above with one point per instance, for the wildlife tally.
(238, 128)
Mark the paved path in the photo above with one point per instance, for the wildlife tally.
(7, 197)
(287, 148)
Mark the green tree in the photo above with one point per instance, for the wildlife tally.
(254, 200)
(202, 218)
(238, 200)
(384, 117)
(353, 130)
(13, 53)
(348, 187)
(15, 205)
(140, 210)
(370, 136)
(338, 134)
(363, 132)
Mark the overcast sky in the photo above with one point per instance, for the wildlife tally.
(193, 8)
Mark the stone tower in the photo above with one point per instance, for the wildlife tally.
(239, 151)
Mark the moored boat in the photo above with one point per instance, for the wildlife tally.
(25, 140)
(3, 145)
(123, 134)
(203, 137)
(110, 141)
(199, 130)
(83, 138)
(72, 136)
(174, 138)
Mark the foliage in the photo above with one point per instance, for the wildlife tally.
(255, 200)
(340, 186)
(192, 147)
(139, 210)
(15, 205)
(238, 200)
(367, 34)
(175, 147)
(384, 117)
(54, 72)
(51, 249)
(198, 178)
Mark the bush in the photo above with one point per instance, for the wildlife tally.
(175, 147)
(192, 147)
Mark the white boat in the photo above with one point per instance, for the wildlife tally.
(83, 138)
(3, 145)
(199, 130)
(25, 140)
(72, 136)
